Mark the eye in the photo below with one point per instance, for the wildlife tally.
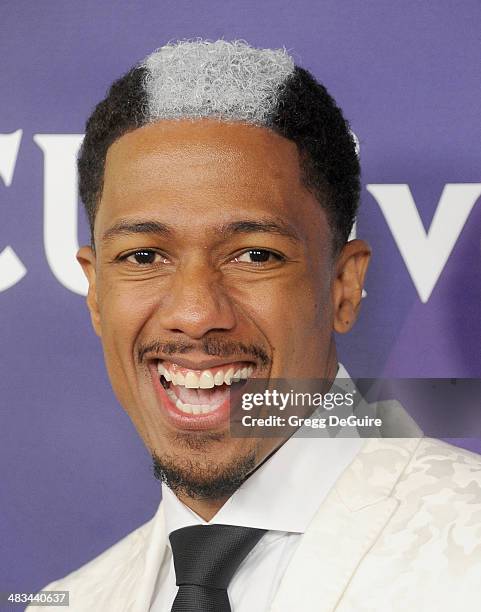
(144, 257)
(258, 257)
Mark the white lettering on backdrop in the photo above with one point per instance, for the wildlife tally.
(60, 213)
(12, 269)
(426, 253)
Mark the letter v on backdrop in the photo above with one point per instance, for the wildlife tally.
(425, 253)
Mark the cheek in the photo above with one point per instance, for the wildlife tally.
(295, 317)
(306, 334)
(124, 310)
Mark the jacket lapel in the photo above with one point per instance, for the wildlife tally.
(344, 529)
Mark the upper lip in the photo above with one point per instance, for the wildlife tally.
(201, 364)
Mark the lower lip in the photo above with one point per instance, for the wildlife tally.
(217, 419)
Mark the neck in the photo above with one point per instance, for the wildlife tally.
(332, 365)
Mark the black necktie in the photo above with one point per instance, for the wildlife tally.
(205, 559)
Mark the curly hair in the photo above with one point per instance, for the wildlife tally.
(231, 81)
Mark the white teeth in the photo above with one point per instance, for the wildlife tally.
(178, 379)
(206, 380)
(187, 408)
(164, 372)
(190, 408)
(228, 376)
(219, 378)
(191, 380)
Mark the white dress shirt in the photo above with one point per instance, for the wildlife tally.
(282, 496)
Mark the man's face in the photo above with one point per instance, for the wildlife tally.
(213, 261)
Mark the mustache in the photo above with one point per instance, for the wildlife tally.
(213, 347)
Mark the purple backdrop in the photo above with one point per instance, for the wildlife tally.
(75, 478)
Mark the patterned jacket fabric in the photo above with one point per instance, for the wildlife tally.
(400, 530)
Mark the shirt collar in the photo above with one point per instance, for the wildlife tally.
(285, 492)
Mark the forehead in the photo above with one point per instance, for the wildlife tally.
(218, 169)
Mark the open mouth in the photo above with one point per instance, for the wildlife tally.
(200, 393)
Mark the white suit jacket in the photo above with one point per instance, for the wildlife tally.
(400, 530)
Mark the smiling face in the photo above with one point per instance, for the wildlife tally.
(213, 262)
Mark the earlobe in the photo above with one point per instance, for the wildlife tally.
(86, 258)
(347, 288)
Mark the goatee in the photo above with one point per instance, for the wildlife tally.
(202, 479)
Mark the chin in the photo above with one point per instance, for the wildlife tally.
(199, 475)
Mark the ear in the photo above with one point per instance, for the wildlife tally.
(86, 258)
(351, 270)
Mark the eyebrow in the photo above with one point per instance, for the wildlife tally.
(132, 226)
(268, 226)
(127, 227)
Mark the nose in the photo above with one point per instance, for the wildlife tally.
(197, 303)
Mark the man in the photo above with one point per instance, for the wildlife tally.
(221, 183)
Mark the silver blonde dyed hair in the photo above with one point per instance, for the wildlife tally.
(226, 80)
(231, 81)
